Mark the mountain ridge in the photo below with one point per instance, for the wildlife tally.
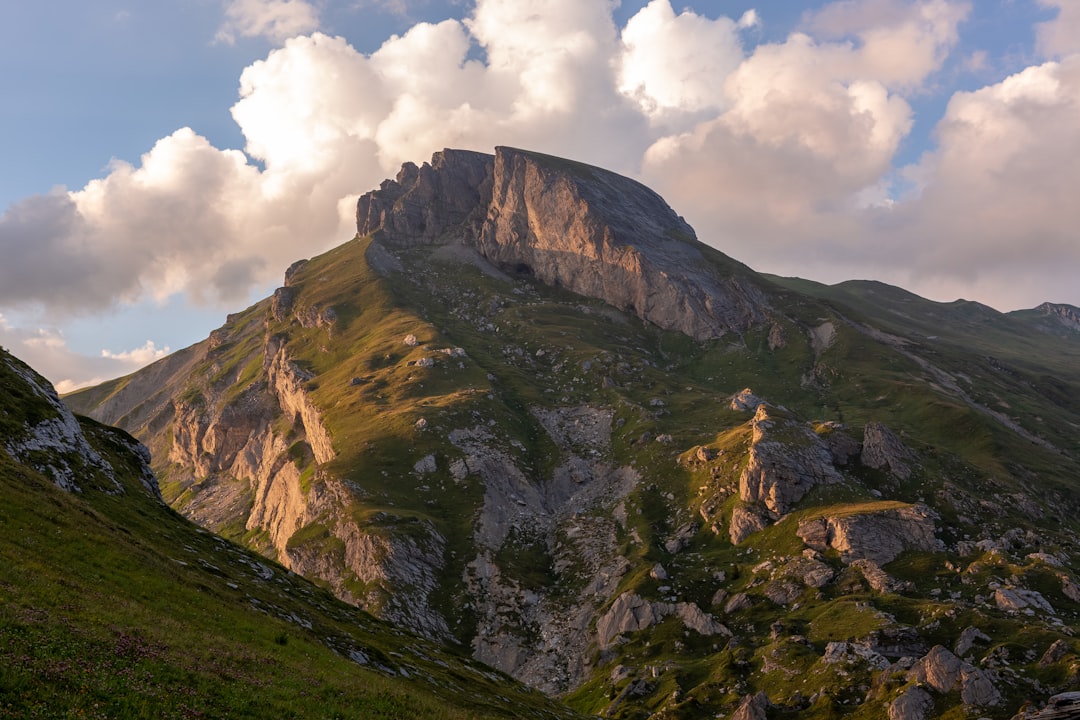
(530, 461)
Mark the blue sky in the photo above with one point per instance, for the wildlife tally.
(163, 162)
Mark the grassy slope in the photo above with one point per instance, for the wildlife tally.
(115, 606)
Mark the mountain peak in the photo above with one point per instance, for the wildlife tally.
(1067, 315)
(572, 225)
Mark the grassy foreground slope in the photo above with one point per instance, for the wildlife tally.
(114, 606)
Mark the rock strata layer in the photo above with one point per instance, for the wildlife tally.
(589, 230)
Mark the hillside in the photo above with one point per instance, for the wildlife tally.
(115, 606)
(526, 413)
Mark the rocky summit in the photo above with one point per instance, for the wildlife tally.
(527, 414)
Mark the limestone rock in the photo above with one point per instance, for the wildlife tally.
(745, 401)
(281, 303)
(883, 450)
(681, 538)
(1069, 588)
(53, 442)
(913, 704)
(878, 579)
(604, 236)
(1057, 650)
(850, 653)
(744, 523)
(786, 460)
(631, 613)
(1021, 600)
(809, 571)
(425, 204)
(753, 707)
(968, 638)
(878, 535)
(1067, 315)
(1065, 706)
(737, 602)
(944, 672)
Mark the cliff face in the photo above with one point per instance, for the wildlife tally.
(591, 231)
(39, 431)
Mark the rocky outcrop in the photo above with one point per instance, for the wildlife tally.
(1020, 600)
(944, 672)
(968, 638)
(631, 613)
(877, 578)
(288, 383)
(52, 441)
(435, 202)
(1067, 315)
(1065, 706)
(878, 535)
(745, 401)
(591, 231)
(786, 459)
(913, 704)
(752, 707)
(883, 450)
(745, 521)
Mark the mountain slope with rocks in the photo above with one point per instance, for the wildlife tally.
(526, 413)
(115, 606)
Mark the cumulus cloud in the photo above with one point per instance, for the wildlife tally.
(1060, 36)
(810, 130)
(996, 206)
(679, 62)
(274, 20)
(783, 156)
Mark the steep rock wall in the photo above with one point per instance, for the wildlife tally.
(596, 233)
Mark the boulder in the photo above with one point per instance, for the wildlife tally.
(745, 401)
(968, 638)
(1057, 650)
(944, 672)
(1065, 706)
(745, 521)
(883, 450)
(878, 535)
(913, 704)
(753, 707)
(1015, 600)
(878, 579)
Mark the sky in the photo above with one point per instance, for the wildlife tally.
(163, 163)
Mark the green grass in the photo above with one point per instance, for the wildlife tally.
(115, 606)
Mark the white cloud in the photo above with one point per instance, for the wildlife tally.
(783, 159)
(749, 19)
(144, 355)
(898, 43)
(675, 62)
(997, 204)
(1060, 36)
(275, 20)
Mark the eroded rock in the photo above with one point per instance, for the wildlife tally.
(876, 535)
